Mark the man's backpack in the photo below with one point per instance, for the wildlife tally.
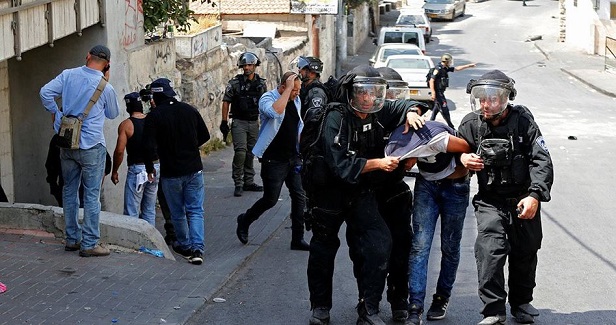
(313, 168)
(331, 87)
(429, 76)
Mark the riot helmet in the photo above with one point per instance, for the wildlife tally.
(306, 63)
(447, 59)
(396, 87)
(248, 58)
(490, 94)
(364, 88)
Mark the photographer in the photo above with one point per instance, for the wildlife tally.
(514, 173)
(139, 194)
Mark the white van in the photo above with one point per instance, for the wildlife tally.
(410, 35)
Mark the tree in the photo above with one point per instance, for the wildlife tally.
(168, 13)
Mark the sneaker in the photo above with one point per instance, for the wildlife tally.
(367, 318)
(97, 250)
(524, 314)
(238, 191)
(72, 247)
(400, 315)
(415, 313)
(186, 253)
(253, 188)
(196, 258)
(320, 316)
(438, 309)
(493, 320)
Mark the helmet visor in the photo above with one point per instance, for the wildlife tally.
(488, 100)
(398, 92)
(368, 97)
(298, 63)
(248, 58)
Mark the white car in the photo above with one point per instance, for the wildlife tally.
(413, 69)
(404, 35)
(384, 51)
(415, 18)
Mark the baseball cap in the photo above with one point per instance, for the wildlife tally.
(162, 85)
(427, 141)
(133, 102)
(101, 51)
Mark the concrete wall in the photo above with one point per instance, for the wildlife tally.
(361, 28)
(587, 27)
(282, 21)
(6, 148)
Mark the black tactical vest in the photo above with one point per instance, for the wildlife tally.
(245, 105)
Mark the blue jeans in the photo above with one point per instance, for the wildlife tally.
(85, 167)
(433, 198)
(140, 201)
(185, 196)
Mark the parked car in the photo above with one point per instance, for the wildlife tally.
(415, 18)
(413, 69)
(406, 35)
(445, 9)
(384, 51)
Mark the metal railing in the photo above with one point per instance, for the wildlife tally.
(610, 54)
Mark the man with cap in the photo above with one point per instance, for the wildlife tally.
(85, 165)
(242, 96)
(139, 193)
(173, 132)
(439, 81)
(514, 173)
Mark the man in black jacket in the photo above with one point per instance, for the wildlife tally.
(514, 173)
(175, 131)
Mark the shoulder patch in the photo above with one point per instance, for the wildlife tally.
(435, 72)
(541, 143)
(317, 102)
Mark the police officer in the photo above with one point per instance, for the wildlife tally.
(439, 81)
(242, 94)
(348, 171)
(313, 93)
(514, 173)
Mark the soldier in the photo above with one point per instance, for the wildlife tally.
(242, 94)
(514, 173)
(439, 81)
(313, 93)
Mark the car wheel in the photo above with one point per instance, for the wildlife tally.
(463, 11)
(453, 16)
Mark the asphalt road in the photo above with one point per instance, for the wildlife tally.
(576, 280)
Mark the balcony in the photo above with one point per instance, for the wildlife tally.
(27, 24)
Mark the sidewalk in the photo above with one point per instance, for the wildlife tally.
(48, 285)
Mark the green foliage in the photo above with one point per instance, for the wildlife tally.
(168, 13)
(352, 4)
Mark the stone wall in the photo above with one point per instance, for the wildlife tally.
(205, 77)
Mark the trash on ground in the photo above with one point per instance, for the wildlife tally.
(151, 251)
(219, 300)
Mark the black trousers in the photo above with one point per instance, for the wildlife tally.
(501, 235)
(369, 243)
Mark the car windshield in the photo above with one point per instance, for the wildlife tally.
(408, 64)
(389, 52)
(440, 1)
(411, 20)
(401, 37)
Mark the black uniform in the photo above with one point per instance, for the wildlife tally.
(346, 195)
(526, 170)
(441, 82)
(313, 95)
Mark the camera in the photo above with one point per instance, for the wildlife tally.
(145, 94)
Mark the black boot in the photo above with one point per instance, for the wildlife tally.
(243, 223)
(297, 241)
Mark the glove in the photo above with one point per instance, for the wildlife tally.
(224, 129)
(308, 220)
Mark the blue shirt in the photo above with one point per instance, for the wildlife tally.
(76, 86)
(271, 121)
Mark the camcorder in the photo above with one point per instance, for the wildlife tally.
(146, 94)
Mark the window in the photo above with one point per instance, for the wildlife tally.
(613, 10)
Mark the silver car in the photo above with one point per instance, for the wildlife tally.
(445, 9)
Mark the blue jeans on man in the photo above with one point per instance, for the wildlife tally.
(82, 167)
(433, 198)
(185, 196)
(140, 198)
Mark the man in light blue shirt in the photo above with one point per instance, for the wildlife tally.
(277, 148)
(85, 165)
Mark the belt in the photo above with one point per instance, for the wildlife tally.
(449, 181)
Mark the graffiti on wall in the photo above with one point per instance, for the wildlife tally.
(133, 22)
(163, 55)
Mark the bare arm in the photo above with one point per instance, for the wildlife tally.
(118, 154)
(225, 111)
(466, 66)
(456, 144)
